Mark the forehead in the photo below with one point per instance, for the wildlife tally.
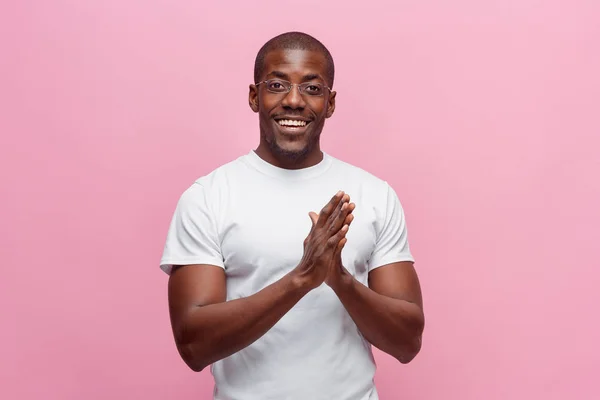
(296, 63)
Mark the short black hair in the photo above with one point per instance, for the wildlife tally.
(293, 41)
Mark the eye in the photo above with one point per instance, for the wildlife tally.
(276, 86)
(313, 89)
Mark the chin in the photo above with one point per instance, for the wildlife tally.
(291, 151)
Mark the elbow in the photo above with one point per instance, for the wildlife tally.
(192, 359)
(197, 367)
(409, 350)
(192, 346)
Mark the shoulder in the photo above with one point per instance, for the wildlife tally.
(222, 174)
(212, 186)
(373, 192)
(362, 177)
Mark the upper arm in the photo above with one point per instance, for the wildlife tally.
(392, 244)
(193, 286)
(398, 280)
(192, 258)
(193, 235)
(391, 267)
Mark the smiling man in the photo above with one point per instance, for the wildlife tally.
(287, 264)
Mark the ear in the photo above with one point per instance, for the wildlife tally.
(331, 104)
(253, 98)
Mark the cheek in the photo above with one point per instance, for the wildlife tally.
(265, 114)
(318, 108)
(267, 104)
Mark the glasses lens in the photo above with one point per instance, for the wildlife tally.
(278, 86)
(312, 89)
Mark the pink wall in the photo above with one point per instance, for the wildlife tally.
(485, 117)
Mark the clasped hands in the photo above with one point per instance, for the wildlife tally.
(322, 259)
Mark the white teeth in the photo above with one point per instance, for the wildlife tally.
(289, 122)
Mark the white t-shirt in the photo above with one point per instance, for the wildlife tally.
(251, 218)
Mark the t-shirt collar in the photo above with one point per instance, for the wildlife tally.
(288, 174)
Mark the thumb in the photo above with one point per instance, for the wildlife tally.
(339, 248)
(313, 217)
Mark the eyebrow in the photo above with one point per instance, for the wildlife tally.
(310, 77)
(279, 74)
(307, 77)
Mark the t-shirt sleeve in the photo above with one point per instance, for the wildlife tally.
(392, 237)
(193, 236)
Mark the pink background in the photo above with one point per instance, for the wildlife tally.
(484, 115)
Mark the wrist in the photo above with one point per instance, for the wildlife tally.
(343, 282)
(299, 282)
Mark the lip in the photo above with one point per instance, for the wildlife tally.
(292, 130)
(293, 118)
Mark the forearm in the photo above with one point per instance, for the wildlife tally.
(392, 325)
(212, 332)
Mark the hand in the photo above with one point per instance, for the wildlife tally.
(328, 230)
(338, 274)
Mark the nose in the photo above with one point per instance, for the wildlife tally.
(293, 99)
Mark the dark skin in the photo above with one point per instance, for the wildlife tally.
(389, 312)
(292, 150)
(208, 328)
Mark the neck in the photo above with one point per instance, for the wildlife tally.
(285, 161)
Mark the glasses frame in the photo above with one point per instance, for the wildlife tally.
(301, 91)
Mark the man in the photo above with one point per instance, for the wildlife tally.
(282, 302)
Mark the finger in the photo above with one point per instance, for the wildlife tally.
(314, 217)
(338, 220)
(343, 204)
(330, 207)
(351, 208)
(349, 219)
(347, 216)
(329, 220)
(335, 239)
(340, 247)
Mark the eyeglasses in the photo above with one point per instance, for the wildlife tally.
(280, 86)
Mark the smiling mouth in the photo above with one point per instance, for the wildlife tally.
(291, 123)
